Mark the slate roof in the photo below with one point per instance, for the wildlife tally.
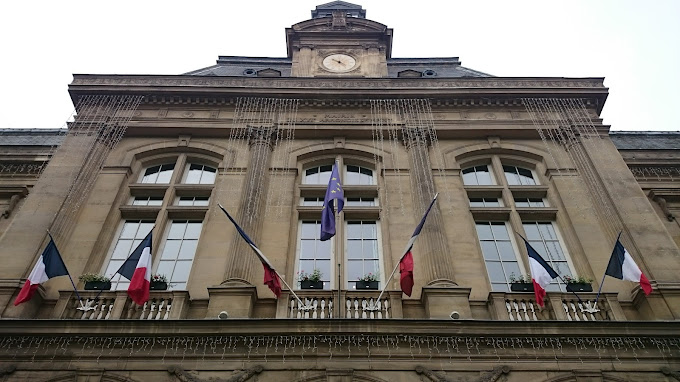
(32, 137)
(646, 140)
(235, 66)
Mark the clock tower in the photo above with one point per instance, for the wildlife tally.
(339, 42)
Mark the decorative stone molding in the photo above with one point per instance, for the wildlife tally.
(242, 376)
(671, 373)
(489, 377)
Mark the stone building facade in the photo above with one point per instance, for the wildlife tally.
(509, 158)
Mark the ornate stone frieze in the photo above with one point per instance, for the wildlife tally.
(346, 83)
(241, 376)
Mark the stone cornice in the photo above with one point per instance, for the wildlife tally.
(191, 89)
(475, 328)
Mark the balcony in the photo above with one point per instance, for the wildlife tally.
(114, 305)
(323, 304)
(558, 306)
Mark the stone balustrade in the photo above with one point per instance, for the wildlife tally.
(114, 305)
(558, 306)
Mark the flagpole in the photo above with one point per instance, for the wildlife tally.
(67, 272)
(389, 279)
(289, 288)
(605, 275)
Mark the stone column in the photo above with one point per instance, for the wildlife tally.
(435, 265)
(250, 216)
(237, 294)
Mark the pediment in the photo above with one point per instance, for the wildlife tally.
(269, 73)
(410, 73)
(324, 24)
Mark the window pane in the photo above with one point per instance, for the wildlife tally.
(500, 232)
(547, 231)
(140, 202)
(153, 201)
(369, 230)
(354, 270)
(208, 176)
(525, 176)
(323, 249)
(181, 273)
(306, 266)
(325, 267)
(122, 249)
(484, 176)
(193, 230)
(129, 230)
(354, 250)
(371, 249)
(113, 267)
(353, 230)
(495, 271)
(177, 229)
(188, 249)
(506, 251)
(511, 267)
(310, 230)
(171, 249)
(532, 231)
(165, 174)
(193, 176)
(144, 229)
(307, 249)
(484, 231)
(201, 201)
(489, 250)
(185, 201)
(469, 177)
(476, 202)
(491, 202)
(165, 268)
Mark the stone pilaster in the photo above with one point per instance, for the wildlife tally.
(435, 265)
(241, 262)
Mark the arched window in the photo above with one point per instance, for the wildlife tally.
(502, 210)
(518, 176)
(478, 176)
(356, 245)
(175, 211)
(158, 174)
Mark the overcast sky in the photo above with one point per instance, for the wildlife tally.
(634, 44)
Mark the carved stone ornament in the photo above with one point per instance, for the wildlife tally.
(7, 370)
(13, 201)
(241, 376)
(491, 376)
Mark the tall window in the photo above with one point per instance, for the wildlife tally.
(543, 238)
(178, 252)
(499, 254)
(131, 234)
(153, 200)
(361, 250)
(356, 243)
(314, 253)
(516, 209)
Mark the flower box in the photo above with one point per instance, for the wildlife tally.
(309, 284)
(366, 285)
(159, 285)
(579, 287)
(522, 287)
(98, 285)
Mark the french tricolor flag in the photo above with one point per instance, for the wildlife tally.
(541, 273)
(137, 269)
(406, 262)
(271, 278)
(49, 265)
(623, 267)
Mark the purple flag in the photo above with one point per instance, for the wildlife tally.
(334, 191)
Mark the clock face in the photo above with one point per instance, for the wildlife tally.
(339, 62)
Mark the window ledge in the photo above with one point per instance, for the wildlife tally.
(484, 191)
(491, 213)
(537, 213)
(194, 189)
(529, 191)
(148, 189)
(139, 212)
(187, 212)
